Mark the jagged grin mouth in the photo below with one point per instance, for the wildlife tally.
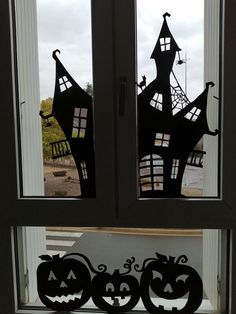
(64, 298)
(120, 300)
(170, 305)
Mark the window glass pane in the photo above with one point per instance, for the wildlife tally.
(177, 103)
(55, 142)
(191, 252)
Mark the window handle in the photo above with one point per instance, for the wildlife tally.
(122, 95)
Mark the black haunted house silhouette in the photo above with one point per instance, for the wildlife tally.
(73, 109)
(170, 126)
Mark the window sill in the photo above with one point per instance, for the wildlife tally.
(90, 308)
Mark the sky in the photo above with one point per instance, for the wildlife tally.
(66, 25)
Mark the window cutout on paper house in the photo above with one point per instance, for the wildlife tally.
(156, 101)
(165, 43)
(84, 170)
(175, 167)
(79, 122)
(173, 132)
(162, 139)
(64, 83)
(151, 173)
(193, 114)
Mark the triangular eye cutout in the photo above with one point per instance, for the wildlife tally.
(51, 276)
(71, 275)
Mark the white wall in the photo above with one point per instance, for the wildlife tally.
(33, 240)
(211, 238)
(29, 99)
(211, 73)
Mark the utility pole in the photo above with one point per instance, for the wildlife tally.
(186, 75)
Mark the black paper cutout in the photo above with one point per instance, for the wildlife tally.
(67, 283)
(60, 149)
(196, 158)
(64, 284)
(61, 280)
(169, 125)
(116, 287)
(170, 279)
(73, 109)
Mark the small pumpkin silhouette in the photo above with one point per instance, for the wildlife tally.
(63, 283)
(115, 292)
(168, 279)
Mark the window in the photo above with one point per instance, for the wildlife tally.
(133, 242)
(117, 200)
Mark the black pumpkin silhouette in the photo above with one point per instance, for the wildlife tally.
(169, 280)
(63, 283)
(115, 292)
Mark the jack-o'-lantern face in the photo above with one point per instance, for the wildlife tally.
(116, 292)
(63, 284)
(163, 284)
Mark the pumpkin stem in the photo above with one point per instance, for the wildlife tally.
(182, 258)
(101, 268)
(128, 264)
(49, 258)
(141, 269)
(162, 258)
(56, 257)
(171, 260)
(116, 272)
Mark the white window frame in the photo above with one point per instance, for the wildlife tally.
(117, 209)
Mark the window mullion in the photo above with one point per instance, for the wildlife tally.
(125, 43)
(104, 91)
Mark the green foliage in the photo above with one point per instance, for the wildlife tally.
(51, 133)
(60, 193)
(54, 132)
(89, 88)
